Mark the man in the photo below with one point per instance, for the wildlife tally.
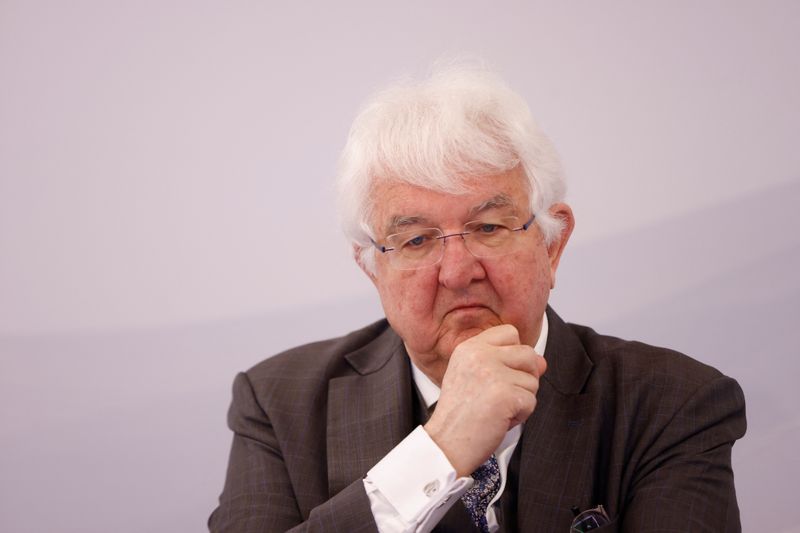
(445, 415)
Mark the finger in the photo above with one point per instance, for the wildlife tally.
(502, 335)
(541, 362)
(523, 358)
(521, 379)
(525, 405)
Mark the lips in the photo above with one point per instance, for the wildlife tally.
(467, 307)
(467, 303)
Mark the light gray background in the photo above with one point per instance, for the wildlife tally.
(153, 155)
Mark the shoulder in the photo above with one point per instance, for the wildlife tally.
(658, 384)
(634, 360)
(650, 399)
(319, 361)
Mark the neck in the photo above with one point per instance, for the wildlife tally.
(431, 365)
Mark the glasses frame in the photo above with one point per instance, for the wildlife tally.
(383, 249)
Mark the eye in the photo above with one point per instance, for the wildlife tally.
(416, 242)
(488, 228)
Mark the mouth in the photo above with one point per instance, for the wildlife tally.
(468, 307)
(470, 318)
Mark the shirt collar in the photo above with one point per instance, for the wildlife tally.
(430, 391)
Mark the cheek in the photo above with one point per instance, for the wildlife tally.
(523, 288)
(407, 296)
(517, 280)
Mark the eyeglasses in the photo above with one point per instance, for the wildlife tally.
(425, 247)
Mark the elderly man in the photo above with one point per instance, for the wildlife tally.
(445, 416)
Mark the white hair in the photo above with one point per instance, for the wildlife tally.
(438, 133)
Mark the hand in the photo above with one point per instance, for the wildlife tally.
(489, 387)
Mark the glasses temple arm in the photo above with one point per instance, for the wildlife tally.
(527, 225)
(382, 249)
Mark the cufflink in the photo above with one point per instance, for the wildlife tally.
(431, 488)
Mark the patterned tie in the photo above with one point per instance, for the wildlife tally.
(476, 499)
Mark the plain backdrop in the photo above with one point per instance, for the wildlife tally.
(166, 216)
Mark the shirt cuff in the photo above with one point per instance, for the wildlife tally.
(417, 479)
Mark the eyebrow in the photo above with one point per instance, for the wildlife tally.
(398, 222)
(496, 202)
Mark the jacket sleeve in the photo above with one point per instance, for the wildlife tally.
(684, 481)
(259, 495)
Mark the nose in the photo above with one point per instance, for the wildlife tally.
(459, 267)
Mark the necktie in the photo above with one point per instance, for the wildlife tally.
(476, 499)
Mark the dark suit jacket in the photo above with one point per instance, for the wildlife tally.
(644, 431)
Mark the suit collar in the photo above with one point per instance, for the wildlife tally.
(568, 364)
(375, 355)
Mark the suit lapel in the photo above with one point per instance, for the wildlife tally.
(369, 411)
(555, 444)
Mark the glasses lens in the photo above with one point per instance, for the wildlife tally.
(416, 249)
(490, 238)
(424, 247)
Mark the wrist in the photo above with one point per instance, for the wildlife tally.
(451, 453)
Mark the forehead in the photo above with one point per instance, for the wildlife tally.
(395, 201)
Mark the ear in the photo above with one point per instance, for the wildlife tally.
(357, 249)
(562, 212)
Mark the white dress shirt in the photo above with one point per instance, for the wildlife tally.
(414, 485)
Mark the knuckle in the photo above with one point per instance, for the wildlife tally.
(531, 384)
(511, 331)
(527, 403)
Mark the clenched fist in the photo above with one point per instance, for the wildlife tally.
(489, 387)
